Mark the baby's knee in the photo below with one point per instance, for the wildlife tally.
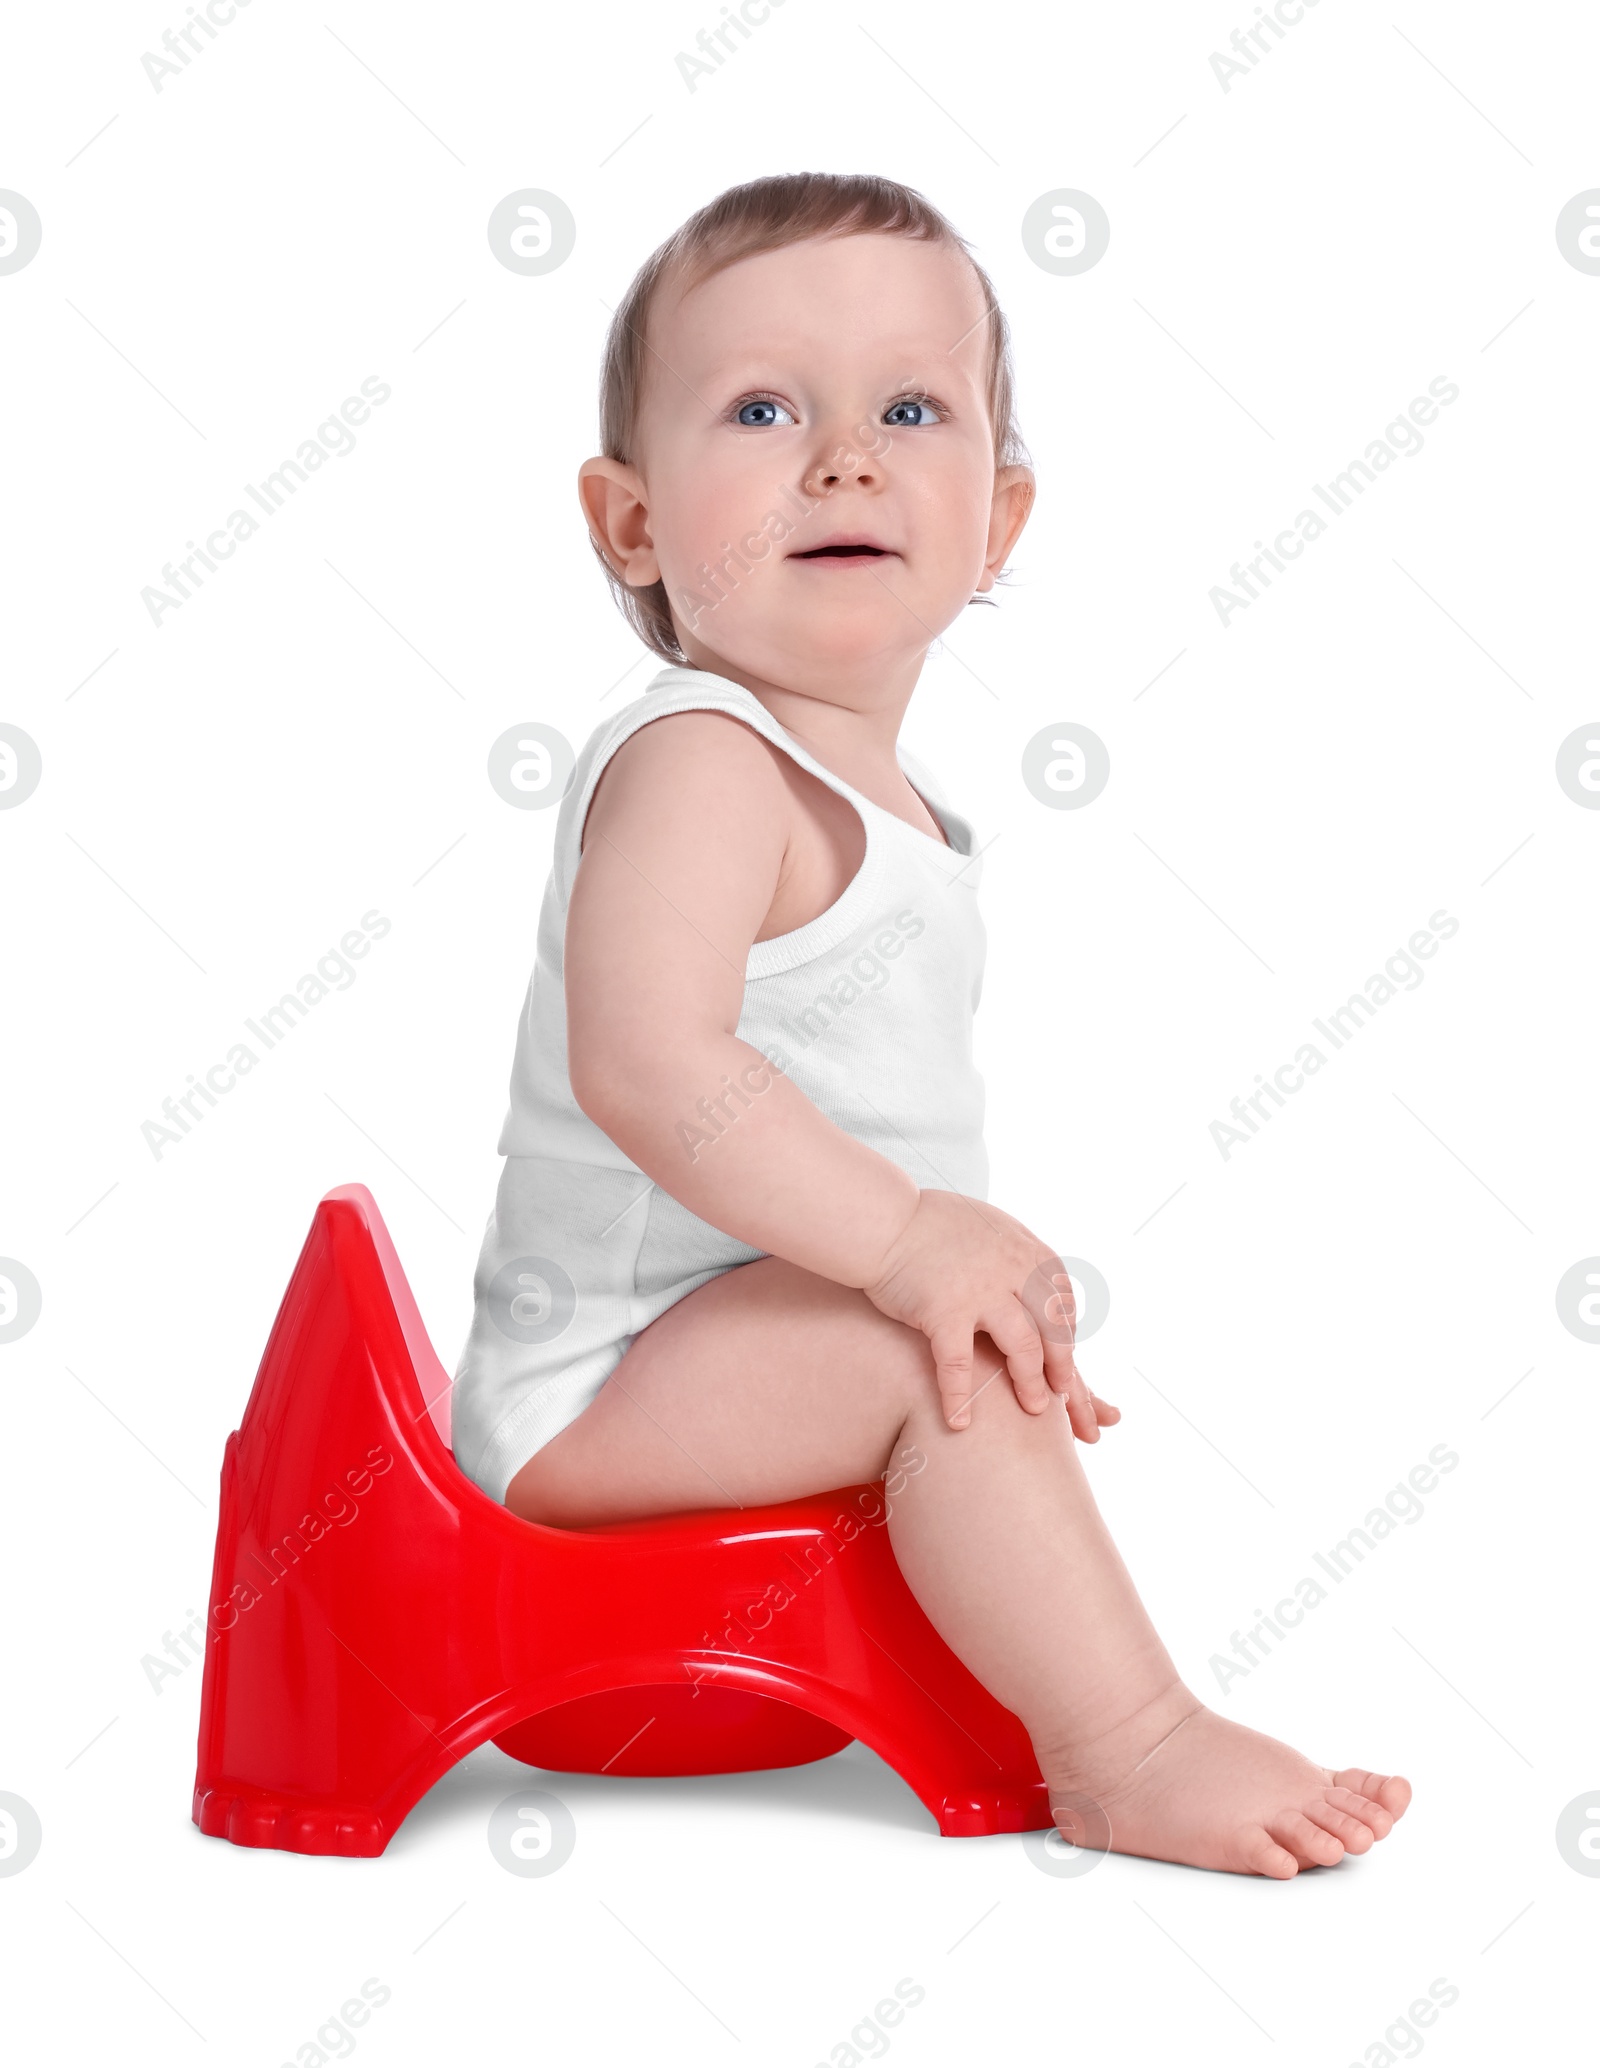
(994, 1407)
(902, 1368)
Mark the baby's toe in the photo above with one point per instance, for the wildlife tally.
(1260, 1854)
(1389, 1791)
(1373, 1814)
(1310, 1844)
(1352, 1832)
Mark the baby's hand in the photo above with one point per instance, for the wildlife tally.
(961, 1265)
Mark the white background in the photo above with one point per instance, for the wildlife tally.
(223, 797)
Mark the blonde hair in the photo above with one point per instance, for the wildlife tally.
(765, 215)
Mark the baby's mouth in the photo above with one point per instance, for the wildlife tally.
(844, 549)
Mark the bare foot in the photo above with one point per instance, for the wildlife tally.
(1178, 1782)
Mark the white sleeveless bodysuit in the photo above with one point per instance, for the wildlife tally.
(868, 1009)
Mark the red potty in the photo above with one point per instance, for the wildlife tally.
(374, 1616)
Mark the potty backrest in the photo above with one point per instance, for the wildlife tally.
(432, 1377)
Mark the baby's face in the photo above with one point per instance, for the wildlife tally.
(831, 394)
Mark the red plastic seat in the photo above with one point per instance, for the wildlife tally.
(374, 1616)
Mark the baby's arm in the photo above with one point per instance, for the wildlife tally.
(682, 851)
(686, 843)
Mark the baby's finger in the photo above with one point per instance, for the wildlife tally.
(1017, 1340)
(1062, 1309)
(1104, 1413)
(1048, 1300)
(1050, 1292)
(1058, 1364)
(1080, 1410)
(952, 1364)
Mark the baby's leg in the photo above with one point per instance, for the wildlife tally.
(769, 1383)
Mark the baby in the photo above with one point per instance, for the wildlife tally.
(740, 1250)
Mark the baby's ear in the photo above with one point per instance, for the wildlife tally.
(1016, 491)
(1001, 574)
(612, 496)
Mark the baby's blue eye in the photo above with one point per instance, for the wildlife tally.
(911, 413)
(759, 415)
